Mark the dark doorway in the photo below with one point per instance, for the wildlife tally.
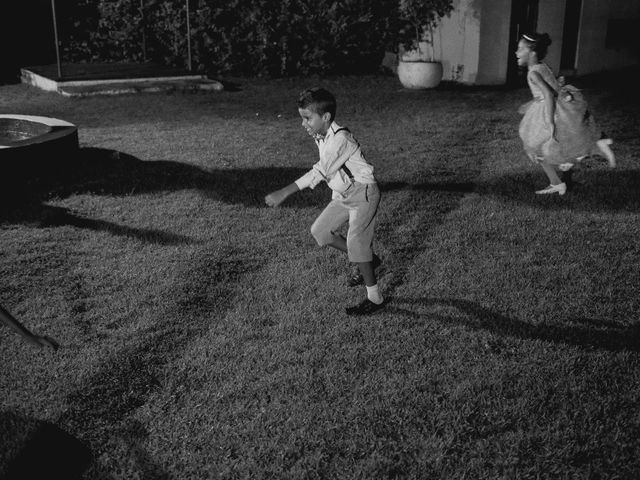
(524, 18)
(570, 37)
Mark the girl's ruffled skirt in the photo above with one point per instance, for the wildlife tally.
(576, 130)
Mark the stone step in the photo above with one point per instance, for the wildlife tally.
(118, 88)
(94, 80)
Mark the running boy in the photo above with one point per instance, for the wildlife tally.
(355, 196)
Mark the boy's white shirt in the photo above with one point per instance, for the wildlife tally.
(336, 150)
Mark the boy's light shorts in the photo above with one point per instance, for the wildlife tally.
(359, 208)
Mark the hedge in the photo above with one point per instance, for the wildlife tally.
(240, 37)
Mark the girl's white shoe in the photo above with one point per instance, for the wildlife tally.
(605, 149)
(565, 167)
(560, 189)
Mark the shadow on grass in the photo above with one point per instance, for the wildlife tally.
(423, 208)
(108, 172)
(37, 449)
(579, 331)
(439, 186)
(45, 215)
(102, 410)
(589, 189)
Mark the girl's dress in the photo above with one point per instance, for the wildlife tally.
(576, 131)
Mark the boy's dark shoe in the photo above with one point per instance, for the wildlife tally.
(355, 277)
(367, 307)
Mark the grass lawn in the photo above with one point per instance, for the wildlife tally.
(203, 334)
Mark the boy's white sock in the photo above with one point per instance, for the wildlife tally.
(373, 294)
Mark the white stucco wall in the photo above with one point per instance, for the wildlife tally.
(456, 42)
(473, 42)
(592, 55)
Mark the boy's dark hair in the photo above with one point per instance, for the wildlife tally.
(318, 100)
(538, 42)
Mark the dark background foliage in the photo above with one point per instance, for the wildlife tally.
(238, 37)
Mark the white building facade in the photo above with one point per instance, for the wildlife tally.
(476, 44)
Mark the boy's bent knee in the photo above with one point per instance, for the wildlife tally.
(323, 237)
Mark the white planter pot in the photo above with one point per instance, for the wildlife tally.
(419, 74)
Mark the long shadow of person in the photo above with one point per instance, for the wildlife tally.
(435, 186)
(36, 449)
(109, 172)
(592, 190)
(582, 332)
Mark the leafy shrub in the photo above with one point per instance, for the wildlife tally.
(243, 37)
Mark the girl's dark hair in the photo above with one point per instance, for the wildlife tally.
(538, 42)
(318, 100)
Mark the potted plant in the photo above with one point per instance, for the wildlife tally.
(417, 63)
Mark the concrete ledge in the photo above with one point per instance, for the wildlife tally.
(81, 89)
(36, 80)
(114, 86)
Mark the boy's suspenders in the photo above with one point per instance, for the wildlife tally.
(344, 165)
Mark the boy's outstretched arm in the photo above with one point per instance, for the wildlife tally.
(276, 198)
(37, 340)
